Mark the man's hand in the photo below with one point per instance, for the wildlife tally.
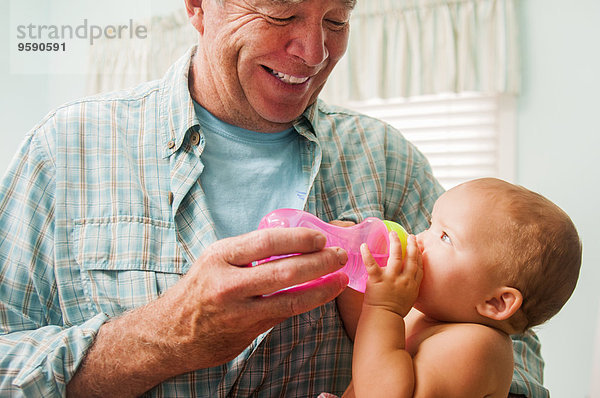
(396, 286)
(214, 312)
(221, 305)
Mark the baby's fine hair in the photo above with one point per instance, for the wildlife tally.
(540, 250)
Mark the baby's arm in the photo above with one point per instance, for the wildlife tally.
(455, 360)
(381, 366)
(349, 304)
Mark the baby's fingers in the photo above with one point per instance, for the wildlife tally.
(414, 263)
(370, 264)
(394, 263)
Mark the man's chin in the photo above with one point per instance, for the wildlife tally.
(287, 113)
(283, 119)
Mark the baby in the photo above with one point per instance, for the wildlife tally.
(497, 260)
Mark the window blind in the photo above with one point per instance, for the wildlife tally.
(464, 136)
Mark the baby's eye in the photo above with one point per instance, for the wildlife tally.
(446, 238)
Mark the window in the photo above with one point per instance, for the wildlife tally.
(464, 136)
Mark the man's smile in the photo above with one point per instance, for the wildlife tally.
(289, 79)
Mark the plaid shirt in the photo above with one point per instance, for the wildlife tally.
(102, 210)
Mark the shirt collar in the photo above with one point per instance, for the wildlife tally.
(177, 114)
(308, 123)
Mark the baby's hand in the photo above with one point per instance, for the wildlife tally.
(396, 286)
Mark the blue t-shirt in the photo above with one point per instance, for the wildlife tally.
(248, 174)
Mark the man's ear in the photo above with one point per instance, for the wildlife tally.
(195, 14)
(502, 305)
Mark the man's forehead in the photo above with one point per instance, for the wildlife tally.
(346, 3)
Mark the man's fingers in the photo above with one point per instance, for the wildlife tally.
(341, 223)
(290, 271)
(303, 298)
(258, 245)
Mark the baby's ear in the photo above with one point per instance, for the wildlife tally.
(502, 305)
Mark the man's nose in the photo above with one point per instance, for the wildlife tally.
(310, 45)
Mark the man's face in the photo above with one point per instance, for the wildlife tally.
(260, 63)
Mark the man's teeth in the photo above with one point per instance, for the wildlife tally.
(289, 79)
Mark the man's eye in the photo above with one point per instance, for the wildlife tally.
(337, 24)
(281, 21)
(446, 238)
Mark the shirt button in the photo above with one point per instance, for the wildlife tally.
(170, 198)
(171, 144)
(195, 138)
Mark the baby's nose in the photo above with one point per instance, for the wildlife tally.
(419, 240)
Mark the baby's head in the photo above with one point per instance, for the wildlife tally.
(513, 256)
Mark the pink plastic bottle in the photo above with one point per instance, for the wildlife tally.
(372, 231)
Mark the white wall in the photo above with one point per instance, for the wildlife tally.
(558, 142)
(26, 98)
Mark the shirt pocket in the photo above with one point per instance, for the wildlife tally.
(126, 262)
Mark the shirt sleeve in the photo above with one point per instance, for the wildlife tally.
(529, 366)
(38, 352)
(412, 188)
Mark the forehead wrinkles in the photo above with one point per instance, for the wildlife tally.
(348, 3)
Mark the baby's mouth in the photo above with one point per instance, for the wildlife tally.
(288, 79)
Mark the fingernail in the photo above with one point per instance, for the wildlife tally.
(320, 241)
(342, 255)
(344, 279)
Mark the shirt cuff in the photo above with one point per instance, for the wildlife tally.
(49, 357)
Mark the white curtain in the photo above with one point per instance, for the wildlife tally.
(398, 48)
(117, 64)
(404, 48)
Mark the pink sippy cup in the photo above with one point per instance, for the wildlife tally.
(372, 231)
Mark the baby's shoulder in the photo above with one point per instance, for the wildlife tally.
(472, 357)
(469, 339)
(476, 336)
